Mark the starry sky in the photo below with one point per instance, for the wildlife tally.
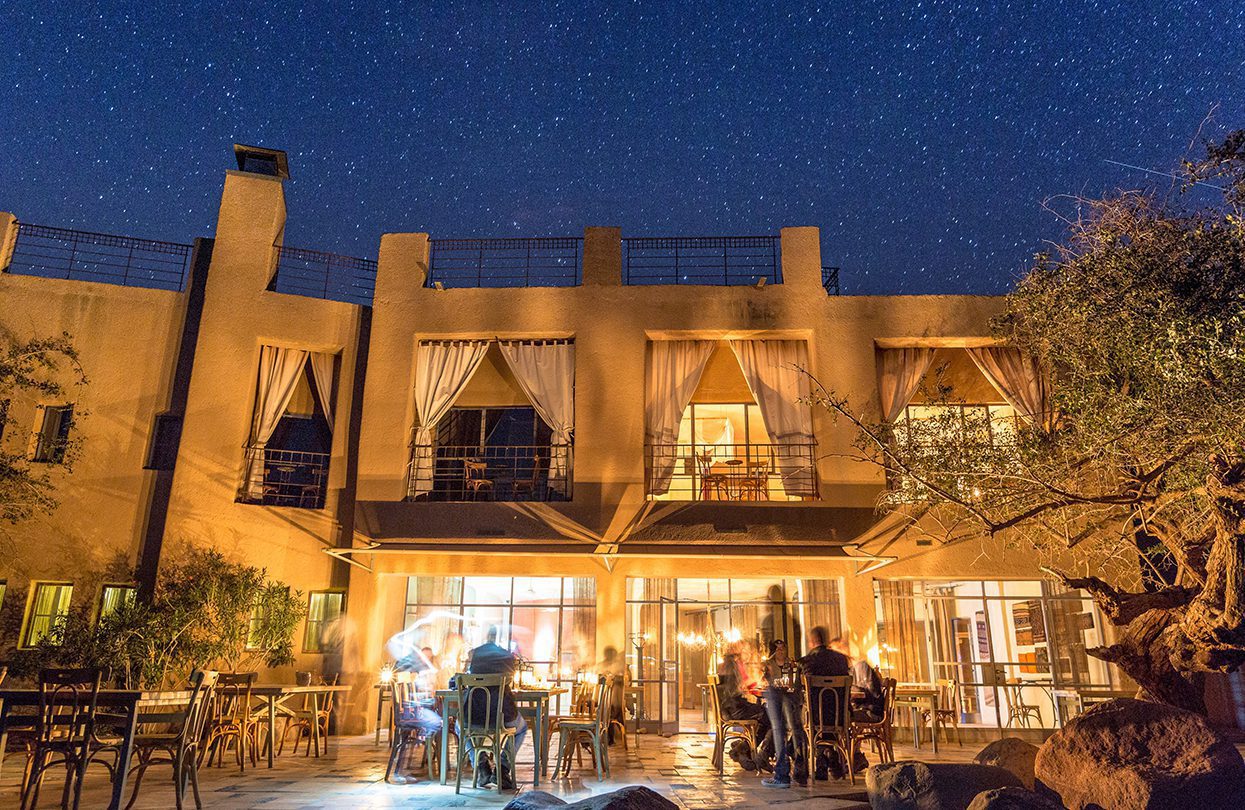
(921, 137)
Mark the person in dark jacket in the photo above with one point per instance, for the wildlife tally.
(823, 662)
(492, 659)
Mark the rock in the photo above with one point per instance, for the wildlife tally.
(1012, 798)
(1129, 753)
(634, 797)
(1011, 753)
(536, 800)
(911, 785)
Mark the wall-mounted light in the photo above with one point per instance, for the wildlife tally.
(760, 285)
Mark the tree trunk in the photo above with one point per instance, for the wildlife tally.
(1143, 650)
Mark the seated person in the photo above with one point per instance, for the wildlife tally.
(868, 702)
(492, 659)
(737, 704)
(823, 662)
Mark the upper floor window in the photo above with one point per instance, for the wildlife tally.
(729, 420)
(286, 459)
(115, 597)
(51, 438)
(324, 609)
(968, 425)
(49, 605)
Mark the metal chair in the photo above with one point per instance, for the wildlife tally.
(231, 719)
(949, 703)
(828, 709)
(726, 730)
(180, 746)
(526, 488)
(754, 486)
(407, 729)
(481, 697)
(881, 733)
(1018, 711)
(592, 729)
(64, 731)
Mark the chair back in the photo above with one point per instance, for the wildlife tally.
(827, 702)
(480, 701)
(202, 687)
(232, 703)
(889, 685)
(473, 469)
(604, 697)
(715, 701)
(326, 705)
(949, 694)
(67, 700)
(404, 696)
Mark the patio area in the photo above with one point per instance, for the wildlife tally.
(351, 775)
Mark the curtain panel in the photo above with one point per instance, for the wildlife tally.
(1017, 378)
(674, 371)
(322, 375)
(279, 372)
(774, 372)
(442, 371)
(899, 375)
(545, 371)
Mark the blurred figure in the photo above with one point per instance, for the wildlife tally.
(782, 706)
(868, 702)
(612, 664)
(737, 704)
(823, 662)
(491, 659)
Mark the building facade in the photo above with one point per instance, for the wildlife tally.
(601, 444)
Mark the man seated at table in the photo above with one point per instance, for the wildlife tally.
(823, 662)
(736, 702)
(868, 702)
(492, 659)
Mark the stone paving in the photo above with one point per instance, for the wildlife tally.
(351, 776)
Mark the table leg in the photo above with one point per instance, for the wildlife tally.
(933, 705)
(538, 744)
(123, 758)
(916, 726)
(445, 743)
(315, 722)
(380, 710)
(272, 727)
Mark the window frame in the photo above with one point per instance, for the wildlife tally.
(319, 648)
(30, 616)
(111, 586)
(51, 450)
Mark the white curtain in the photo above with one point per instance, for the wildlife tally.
(781, 389)
(442, 371)
(899, 375)
(1016, 376)
(546, 373)
(674, 371)
(279, 372)
(322, 375)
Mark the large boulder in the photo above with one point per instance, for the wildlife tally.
(635, 797)
(1128, 753)
(911, 785)
(536, 800)
(1012, 798)
(1011, 753)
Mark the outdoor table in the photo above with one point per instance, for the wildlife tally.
(273, 698)
(916, 697)
(533, 705)
(133, 705)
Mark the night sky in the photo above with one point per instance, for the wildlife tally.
(920, 137)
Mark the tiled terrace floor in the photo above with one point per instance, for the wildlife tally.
(351, 776)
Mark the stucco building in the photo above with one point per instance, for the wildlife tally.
(594, 441)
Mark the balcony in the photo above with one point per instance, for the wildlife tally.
(290, 477)
(540, 262)
(495, 473)
(731, 472)
(314, 274)
(702, 260)
(49, 252)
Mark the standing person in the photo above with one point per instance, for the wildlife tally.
(782, 704)
(492, 659)
(823, 662)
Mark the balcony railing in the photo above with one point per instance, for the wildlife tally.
(830, 280)
(542, 262)
(731, 472)
(705, 260)
(41, 250)
(291, 477)
(475, 473)
(324, 275)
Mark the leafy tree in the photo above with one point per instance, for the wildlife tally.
(1136, 477)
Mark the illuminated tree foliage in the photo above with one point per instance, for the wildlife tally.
(1134, 488)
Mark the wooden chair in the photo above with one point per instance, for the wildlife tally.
(726, 730)
(474, 471)
(593, 730)
(64, 731)
(311, 722)
(949, 703)
(881, 733)
(828, 709)
(407, 730)
(179, 746)
(582, 693)
(713, 486)
(754, 486)
(1018, 711)
(231, 720)
(526, 488)
(489, 736)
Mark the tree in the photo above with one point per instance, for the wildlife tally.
(1136, 474)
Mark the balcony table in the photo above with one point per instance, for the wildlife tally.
(533, 705)
(272, 700)
(133, 705)
(734, 474)
(915, 697)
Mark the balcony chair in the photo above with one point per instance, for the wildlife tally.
(525, 489)
(713, 486)
(474, 481)
(490, 736)
(949, 703)
(230, 719)
(1018, 711)
(829, 712)
(726, 730)
(311, 722)
(881, 733)
(407, 728)
(179, 746)
(754, 486)
(592, 730)
(64, 732)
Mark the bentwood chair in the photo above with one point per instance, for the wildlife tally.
(726, 730)
(408, 729)
(482, 725)
(1018, 711)
(311, 722)
(474, 480)
(231, 720)
(178, 746)
(880, 733)
(525, 489)
(592, 730)
(582, 695)
(64, 731)
(828, 709)
(948, 710)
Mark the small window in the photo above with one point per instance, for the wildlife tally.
(165, 436)
(3, 587)
(324, 608)
(49, 605)
(53, 435)
(259, 615)
(113, 597)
